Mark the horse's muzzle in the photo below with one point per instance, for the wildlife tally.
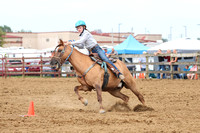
(55, 63)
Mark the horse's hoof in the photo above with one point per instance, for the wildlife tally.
(102, 111)
(85, 102)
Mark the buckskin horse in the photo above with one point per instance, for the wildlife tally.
(93, 78)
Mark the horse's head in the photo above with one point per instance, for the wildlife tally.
(57, 58)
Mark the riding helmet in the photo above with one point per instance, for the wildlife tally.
(80, 23)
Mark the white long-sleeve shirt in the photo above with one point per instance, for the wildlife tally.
(86, 39)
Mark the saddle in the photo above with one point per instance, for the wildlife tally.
(95, 57)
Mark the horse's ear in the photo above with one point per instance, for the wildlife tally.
(61, 42)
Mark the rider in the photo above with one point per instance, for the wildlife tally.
(90, 43)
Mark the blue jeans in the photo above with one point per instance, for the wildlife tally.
(175, 68)
(97, 49)
(183, 75)
(163, 69)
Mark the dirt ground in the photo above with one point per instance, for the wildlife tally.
(174, 106)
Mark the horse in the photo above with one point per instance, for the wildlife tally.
(93, 78)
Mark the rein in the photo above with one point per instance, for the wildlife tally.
(63, 51)
(59, 60)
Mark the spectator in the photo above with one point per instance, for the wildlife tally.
(113, 52)
(168, 59)
(143, 60)
(27, 66)
(106, 51)
(190, 66)
(192, 75)
(160, 67)
(184, 75)
(175, 67)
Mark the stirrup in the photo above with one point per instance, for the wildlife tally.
(120, 85)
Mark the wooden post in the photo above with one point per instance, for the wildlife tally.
(5, 66)
(171, 69)
(41, 68)
(23, 66)
(198, 65)
(147, 67)
(123, 58)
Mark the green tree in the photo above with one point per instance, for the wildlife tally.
(6, 28)
(2, 33)
(3, 30)
(22, 30)
(164, 40)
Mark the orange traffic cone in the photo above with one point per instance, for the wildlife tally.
(196, 76)
(141, 76)
(31, 109)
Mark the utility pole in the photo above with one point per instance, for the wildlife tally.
(112, 35)
(185, 31)
(198, 37)
(171, 33)
(119, 32)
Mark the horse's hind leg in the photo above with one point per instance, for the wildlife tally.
(132, 87)
(118, 94)
(77, 89)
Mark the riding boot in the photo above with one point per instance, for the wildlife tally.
(116, 72)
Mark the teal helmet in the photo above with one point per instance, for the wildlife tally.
(80, 23)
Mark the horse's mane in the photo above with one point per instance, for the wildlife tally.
(61, 43)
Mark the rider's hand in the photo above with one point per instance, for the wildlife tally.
(69, 43)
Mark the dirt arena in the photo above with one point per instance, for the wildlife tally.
(173, 106)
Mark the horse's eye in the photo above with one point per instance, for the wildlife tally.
(59, 50)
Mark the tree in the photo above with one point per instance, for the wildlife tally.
(3, 30)
(22, 30)
(6, 28)
(164, 40)
(2, 33)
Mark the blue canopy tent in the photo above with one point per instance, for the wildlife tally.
(130, 46)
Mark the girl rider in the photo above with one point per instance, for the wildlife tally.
(87, 40)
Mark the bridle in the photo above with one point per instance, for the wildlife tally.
(59, 57)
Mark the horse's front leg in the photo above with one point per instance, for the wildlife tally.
(99, 98)
(77, 89)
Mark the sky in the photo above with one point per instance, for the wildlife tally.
(178, 18)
